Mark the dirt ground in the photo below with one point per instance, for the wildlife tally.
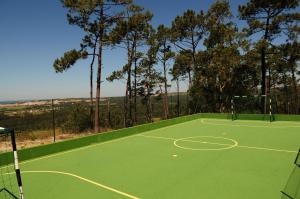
(40, 138)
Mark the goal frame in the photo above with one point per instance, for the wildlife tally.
(11, 133)
(270, 113)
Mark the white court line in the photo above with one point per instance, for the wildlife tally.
(207, 121)
(204, 142)
(70, 151)
(156, 137)
(98, 144)
(85, 180)
(241, 146)
(184, 140)
(119, 139)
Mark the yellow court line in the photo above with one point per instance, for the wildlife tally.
(241, 146)
(86, 180)
(118, 139)
(183, 140)
(235, 143)
(94, 145)
(268, 149)
(70, 151)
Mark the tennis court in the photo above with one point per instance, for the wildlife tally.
(203, 158)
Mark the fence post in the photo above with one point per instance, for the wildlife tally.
(53, 120)
(270, 110)
(232, 109)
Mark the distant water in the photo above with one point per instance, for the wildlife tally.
(13, 101)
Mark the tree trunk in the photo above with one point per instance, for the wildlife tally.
(220, 98)
(130, 56)
(124, 109)
(98, 91)
(287, 101)
(128, 99)
(264, 64)
(135, 86)
(178, 102)
(296, 98)
(188, 93)
(263, 78)
(294, 82)
(149, 106)
(166, 104)
(91, 87)
(91, 94)
(99, 72)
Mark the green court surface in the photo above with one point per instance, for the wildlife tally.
(199, 159)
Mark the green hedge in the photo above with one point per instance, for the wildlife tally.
(295, 118)
(266, 117)
(216, 115)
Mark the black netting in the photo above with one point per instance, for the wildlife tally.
(292, 188)
(8, 181)
(249, 107)
(297, 161)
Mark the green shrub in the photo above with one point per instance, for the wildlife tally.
(77, 119)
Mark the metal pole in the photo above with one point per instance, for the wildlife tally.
(265, 107)
(108, 114)
(53, 120)
(171, 99)
(270, 111)
(178, 102)
(232, 110)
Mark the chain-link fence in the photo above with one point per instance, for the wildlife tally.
(46, 121)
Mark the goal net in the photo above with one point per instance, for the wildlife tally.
(292, 188)
(10, 176)
(255, 107)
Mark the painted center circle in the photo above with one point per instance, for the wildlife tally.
(205, 143)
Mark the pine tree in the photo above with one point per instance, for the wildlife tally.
(187, 32)
(165, 54)
(267, 18)
(96, 18)
(223, 41)
(149, 76)
(130, 33)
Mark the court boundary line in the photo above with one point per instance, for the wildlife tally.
(142, 135)
(252, 120)
(126, 137)
(84, 180)
(68, 151)
(243, 125)
(240, 146)
(98, 144)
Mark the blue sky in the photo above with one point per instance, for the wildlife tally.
(35, 32)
